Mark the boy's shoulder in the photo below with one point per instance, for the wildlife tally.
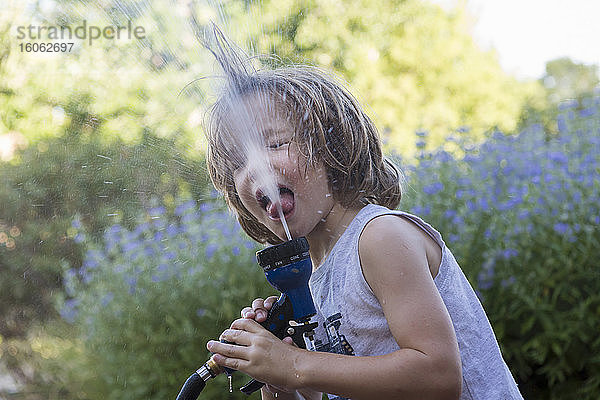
(393, 234)
(390, 227)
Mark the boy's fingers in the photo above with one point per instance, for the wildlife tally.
(237, 337)
(270, 301)
(258, 303)
(227, 350)
(258, 306)
(247, 312)
(248, 325)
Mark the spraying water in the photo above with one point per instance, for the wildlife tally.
(249, 150)
(284, 222)
(185, 55)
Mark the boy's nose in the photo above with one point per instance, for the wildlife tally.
(256, 167)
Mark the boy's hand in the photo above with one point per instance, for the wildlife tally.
(258, 353)
(259, 309)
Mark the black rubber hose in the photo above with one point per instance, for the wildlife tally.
(251, 387)
(191, 388)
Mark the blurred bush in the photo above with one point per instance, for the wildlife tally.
(147, 299)
(77, 173)
(522, 215)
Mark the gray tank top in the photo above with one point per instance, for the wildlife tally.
(351, 320)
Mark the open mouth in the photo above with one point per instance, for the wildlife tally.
(286, 200)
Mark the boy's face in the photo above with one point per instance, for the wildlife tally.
(304, 198)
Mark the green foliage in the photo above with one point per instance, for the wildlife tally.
(75, 174)
(521, 214)
(566, 79)
(48, 364)
(415, 65)
(146, 300)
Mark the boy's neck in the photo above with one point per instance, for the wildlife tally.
(325, 235)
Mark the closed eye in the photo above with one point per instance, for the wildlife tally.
(277, 145)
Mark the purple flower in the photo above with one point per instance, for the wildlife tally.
(138, 230)
(182, 208)
(418, 210)
(434, 188)
(568, 104)
(210, 250)
(206, 207)
(108, 297)
(449, 214)
(189, 217)
(90, 263)
(132, 282)
(587, 112)
(162, 267)
(482, 203)
(509, 253)
(129, 247)
(508, 282)
(558, 157)
(115, 229)
(562, 124)
(157, 211)
(471, 206)
(79, 238)
(69, 310)
(235, 250)
(484, 284)
(172, 230)
(561, 228)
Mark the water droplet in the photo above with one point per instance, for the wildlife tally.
(230, 387)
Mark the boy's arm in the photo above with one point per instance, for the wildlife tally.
(394, 264)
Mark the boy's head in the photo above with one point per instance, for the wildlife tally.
(324, 124)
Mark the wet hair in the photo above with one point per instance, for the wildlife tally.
(330, 127)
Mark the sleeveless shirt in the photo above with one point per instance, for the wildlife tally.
(351, 319)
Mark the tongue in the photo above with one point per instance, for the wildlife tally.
(287, 204)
